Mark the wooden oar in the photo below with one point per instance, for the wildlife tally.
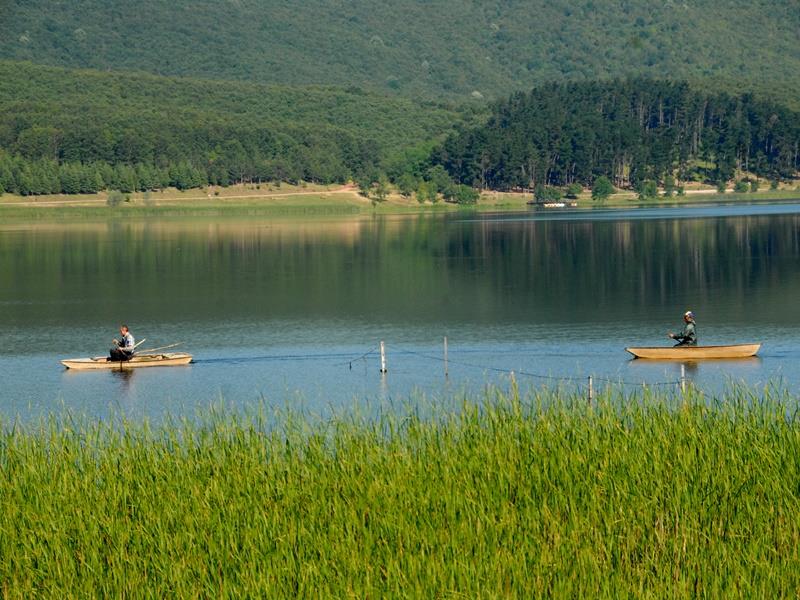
(161, 348)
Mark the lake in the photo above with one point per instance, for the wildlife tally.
(280, 311)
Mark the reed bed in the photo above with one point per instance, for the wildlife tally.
(654, 496)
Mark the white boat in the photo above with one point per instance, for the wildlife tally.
(171, 359)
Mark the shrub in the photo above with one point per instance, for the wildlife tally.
(422, 192)
(602, 189)
(647, 189)
(465, 195)
(406, 184)
(365, 186)
(545, 193)
(574, 190)
(740, 187)
(669, 185)
(115, 197)
(382, 189)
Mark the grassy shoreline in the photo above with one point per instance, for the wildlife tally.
(659, 496)
(294, 201)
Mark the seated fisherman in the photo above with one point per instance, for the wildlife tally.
(688, 337)
(124, 347)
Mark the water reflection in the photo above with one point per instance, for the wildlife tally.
(124, 378)
(413, 270)
(268, 307)
(737, 367)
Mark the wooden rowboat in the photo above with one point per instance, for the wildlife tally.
(172, 359)
(696, 352)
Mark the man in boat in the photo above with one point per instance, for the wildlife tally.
(687, 337)
(123, 348)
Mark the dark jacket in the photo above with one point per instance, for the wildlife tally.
(687, 337)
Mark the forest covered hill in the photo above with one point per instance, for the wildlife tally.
(460, 48)
(106, 94)
(139, 131)
(70, 131)
(629, 131)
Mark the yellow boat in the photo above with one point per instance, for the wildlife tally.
(172, 359)
(696, 352)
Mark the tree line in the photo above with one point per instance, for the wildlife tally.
(138, 133)
(631, 131)
(79, 131)
(82, 160)
(48, 176)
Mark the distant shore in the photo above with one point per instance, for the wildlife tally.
(315, 200)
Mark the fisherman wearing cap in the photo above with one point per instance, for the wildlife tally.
(688, 337)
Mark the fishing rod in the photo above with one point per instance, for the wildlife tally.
(162, 348)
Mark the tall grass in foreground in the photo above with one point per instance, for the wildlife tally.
(654, 497)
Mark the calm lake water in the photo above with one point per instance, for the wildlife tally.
(279, 311)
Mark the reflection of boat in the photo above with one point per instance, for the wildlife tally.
(552, 204)
(696, 352)
(172, 359)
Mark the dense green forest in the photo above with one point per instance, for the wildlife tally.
(81, 131)
(418, 47)
(630, 131)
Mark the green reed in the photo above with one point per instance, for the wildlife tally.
(654, 496)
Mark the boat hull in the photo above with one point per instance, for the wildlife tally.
(174, 359)
(696, 352)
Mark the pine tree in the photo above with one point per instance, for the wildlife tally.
(70, 178)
